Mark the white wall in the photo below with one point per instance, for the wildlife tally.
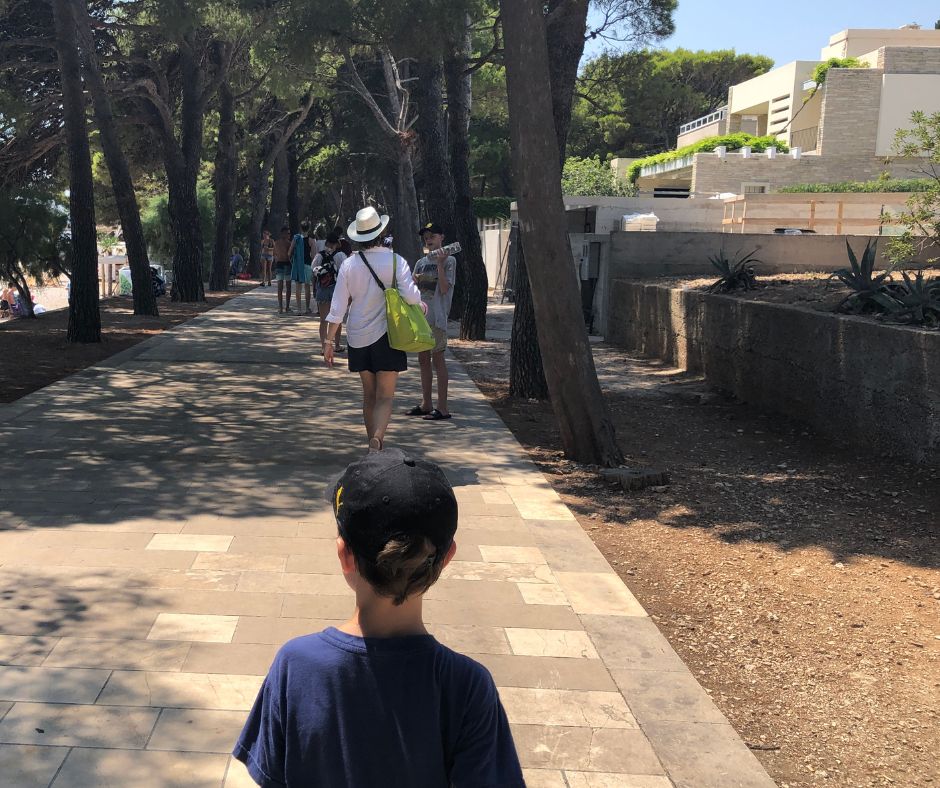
(494, 237)
(857, 42)
(901, 94)
(674, 214)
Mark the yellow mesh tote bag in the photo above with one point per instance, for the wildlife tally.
(408, 328)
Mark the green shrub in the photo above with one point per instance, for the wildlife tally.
(909, 185)
(730, 141)
(158, 232)
(592, 178)
(492, 207)
(820, 72)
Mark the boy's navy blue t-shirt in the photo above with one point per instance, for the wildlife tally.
(339, 710)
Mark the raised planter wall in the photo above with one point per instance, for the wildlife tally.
(855, 380)
(641, 255)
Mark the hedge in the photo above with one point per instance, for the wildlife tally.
(863, 187)
(730, 141)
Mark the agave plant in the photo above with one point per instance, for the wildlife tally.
(867, 289)
(735, 273)
(918, 301)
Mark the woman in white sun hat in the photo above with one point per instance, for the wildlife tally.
(357, 291)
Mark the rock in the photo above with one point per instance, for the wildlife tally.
(636, 478)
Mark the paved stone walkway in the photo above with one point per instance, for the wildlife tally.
(164, 531)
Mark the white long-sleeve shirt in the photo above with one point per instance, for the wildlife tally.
(358, 290)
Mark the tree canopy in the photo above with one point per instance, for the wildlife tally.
(632, 104)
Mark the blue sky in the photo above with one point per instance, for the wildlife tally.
(787, 30)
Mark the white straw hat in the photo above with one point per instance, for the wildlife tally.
(368, 225)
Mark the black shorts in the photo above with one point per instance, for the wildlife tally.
(377, 357)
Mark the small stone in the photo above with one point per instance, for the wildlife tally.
(839, 565)
(661, 488)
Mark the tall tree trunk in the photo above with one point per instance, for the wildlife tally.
(526, 378)
(564, 33)
(406, 222)
(183, 160)
(476, 287)
(587, 432)
(84, 316)
(257, 206)
(438, 183)
(278, 215)
(187, 231)
(145, 303)
(226, 170)
(258, 175)
(565, 30)
(437, 177)
(294, 210)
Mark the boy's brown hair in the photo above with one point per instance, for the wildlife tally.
(398, 516)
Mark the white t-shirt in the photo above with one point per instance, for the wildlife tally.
(338, 258)
(358, 290)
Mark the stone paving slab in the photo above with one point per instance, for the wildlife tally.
(163, 531)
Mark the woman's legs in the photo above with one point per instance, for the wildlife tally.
(307, 296)
(378, 390)
(368, 400)
(323, 307)
(300, 287)
(384, 393)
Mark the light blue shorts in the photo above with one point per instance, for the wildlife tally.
(282, 273)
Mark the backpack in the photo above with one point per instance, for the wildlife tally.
(326, 271)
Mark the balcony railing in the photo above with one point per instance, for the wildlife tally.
(719, 114)
(805, 139)
(666, 166)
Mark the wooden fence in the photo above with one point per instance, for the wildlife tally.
(826, 214)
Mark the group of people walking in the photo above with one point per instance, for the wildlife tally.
(349, 288)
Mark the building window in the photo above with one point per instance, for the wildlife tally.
(755, 188)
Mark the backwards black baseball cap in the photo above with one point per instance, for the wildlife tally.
(389, 494)
(431, 227)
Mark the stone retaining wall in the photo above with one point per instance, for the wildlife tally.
(852, 379)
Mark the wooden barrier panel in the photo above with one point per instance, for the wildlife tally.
(821, 213)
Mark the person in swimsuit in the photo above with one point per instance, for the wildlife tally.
(267, 258)
(282, 269)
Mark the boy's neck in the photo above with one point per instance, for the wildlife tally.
(377, 617)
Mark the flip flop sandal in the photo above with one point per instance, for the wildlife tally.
(417, 411)
(436, 415)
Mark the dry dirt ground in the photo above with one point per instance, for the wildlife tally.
(798, 578)
(34, 353)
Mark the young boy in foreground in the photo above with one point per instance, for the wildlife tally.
(378, 701)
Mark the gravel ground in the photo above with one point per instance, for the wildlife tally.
(798, 579)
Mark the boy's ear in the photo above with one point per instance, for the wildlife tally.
(450, 554)
(346, 558)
